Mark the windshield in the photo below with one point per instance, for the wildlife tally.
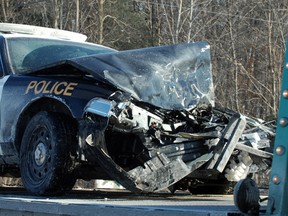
(27, 54)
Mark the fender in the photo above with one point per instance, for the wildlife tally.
(27, 92)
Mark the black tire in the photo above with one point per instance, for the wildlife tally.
(45, 162)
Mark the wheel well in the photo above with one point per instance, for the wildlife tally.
(43, 104)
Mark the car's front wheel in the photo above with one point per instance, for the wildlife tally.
(46, 165)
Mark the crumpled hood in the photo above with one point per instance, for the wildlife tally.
(170, 77)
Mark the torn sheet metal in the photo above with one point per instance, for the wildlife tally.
(170, 77)
(164, 171)
(193, 146)
(227, 143)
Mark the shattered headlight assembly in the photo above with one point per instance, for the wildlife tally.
(100, 106)
(105, 108)
(123, 112)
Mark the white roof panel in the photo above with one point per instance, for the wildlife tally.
(42, 31)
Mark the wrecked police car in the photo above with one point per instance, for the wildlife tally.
(145, 118)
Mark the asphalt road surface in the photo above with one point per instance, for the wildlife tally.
(16, 201)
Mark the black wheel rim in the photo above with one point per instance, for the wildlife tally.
(39, 154)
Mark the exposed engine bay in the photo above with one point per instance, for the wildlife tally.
(156, 149)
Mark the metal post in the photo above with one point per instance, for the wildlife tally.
(278, 186)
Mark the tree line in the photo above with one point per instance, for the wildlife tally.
(247, 37)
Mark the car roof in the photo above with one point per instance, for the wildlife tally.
(11, 30)
(14, 30)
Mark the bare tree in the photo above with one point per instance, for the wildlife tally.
(77, 15)
(4, 8)
(55, 13)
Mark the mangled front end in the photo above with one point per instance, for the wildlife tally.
(161, 127)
